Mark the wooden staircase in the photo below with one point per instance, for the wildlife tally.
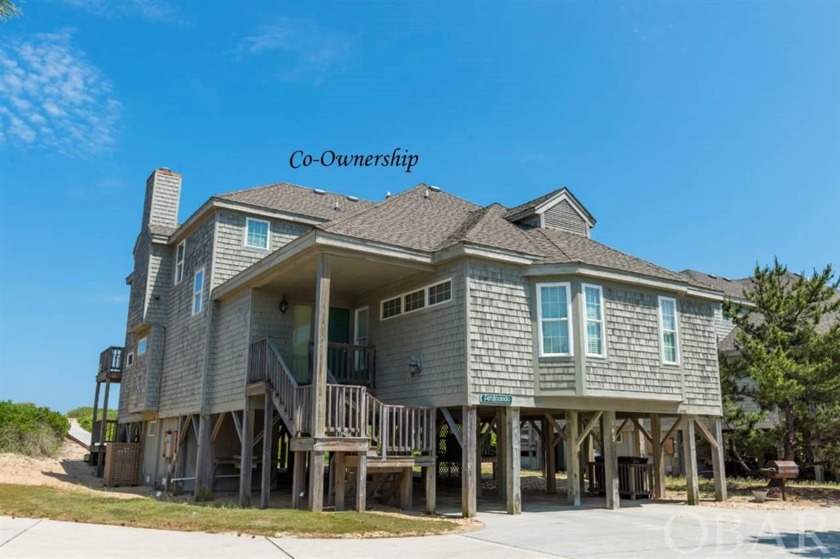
(384, 440)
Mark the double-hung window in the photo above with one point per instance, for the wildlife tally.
(198, 292)
(594, 306)
(142, 345)
(554, 306)
(668, 330)
(179, 262)
(257, 233)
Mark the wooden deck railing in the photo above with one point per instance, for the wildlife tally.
(352, 364)
(634, 480)
(351, 410)
(110, 431)
(111, 360)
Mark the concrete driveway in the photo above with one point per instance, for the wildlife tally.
(650, 530)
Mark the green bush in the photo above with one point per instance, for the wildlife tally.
(28, 429)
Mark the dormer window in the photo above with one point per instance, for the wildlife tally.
(257, 233)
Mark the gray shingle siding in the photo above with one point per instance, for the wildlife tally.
(268, 321)
(723, 325)
(231, 254)
(699, 353)
(500, 330)
(163, 191)
(183, 361)
(556, 376)
(229, 353)
(564, 217)
(436, 334)
(633, 362)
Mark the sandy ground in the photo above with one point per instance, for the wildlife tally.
(67, 470)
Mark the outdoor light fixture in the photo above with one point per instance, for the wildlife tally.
(415, 365)
(284, 305)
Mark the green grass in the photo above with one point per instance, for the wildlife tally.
(71, 505)
(744, 485)
(85, 416)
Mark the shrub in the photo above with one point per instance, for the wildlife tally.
(28, 429)
(84, 416)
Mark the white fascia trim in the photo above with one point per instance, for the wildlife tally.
(621, 277)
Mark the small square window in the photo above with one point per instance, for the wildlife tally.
(152, 431)
(416, 300)
(257, 233)
(141, 346)
(440, 293)
(392, 307)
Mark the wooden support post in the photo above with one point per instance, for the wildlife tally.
(268, 460)
(340, 490)
(718, 463)
(658, 456)
(361, 483)
(478, 444)
(100, 465)
(246, 458)
(319, 368)
(501, 453)
(468, 461)
(316, 480)
(406, 489)
(610, 449)
(572, 458)
(298, 478)
(95, 411)
(513, 462)
(431, 490)
(690, 459)
(204, 460)
(550, 456)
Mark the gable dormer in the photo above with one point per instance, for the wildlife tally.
(558, 210)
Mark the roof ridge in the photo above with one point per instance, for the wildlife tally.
(534, 202)
(283, 183)
(374, 205)
(544, 234)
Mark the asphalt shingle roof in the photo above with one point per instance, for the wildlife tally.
(298, 200)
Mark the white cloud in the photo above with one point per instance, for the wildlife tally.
(306, 50)
(151, 10)
(51, 96)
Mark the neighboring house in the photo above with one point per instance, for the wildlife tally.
(291, 322)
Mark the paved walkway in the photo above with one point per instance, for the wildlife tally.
(648, 531)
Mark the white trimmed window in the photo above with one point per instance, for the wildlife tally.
(554, 309)
(130, 359)
(179, 261)
(593, 300)
(142, 345)
(198, 292)
(427, 296)
(668, 330)
(152, 431)
(257, 233)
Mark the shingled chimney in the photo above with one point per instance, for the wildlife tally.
(163, 194)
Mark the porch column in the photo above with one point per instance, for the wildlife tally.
(690, 460)
(501, 453)
(610, 459)
(572, 458)
(95, 411)
(718, 463)
(658, 456)
(204, 461)
(468, 461)
(267, 457)
(319, 381)
(513, 462)
(100, 456)
(245, 459)
(298, 477)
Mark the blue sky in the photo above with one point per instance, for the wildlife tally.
(700, 135)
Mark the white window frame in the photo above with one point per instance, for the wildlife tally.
(151, 431)
(568, 287)
(142, 343)
(426, 304)
(602, 320)
(179, 264)
(129, 360)
(198, 293)
(676, 331)
(267, 223)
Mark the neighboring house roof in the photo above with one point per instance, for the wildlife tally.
(732, 288)
(311, 202)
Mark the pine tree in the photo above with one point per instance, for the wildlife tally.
(789, 345)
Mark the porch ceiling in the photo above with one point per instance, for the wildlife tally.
(349, 273)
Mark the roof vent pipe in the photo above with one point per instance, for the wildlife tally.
(426, 195)
(434, 188)
(387, 194)
(319, 191)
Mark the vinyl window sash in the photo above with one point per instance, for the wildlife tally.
(566, 286)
